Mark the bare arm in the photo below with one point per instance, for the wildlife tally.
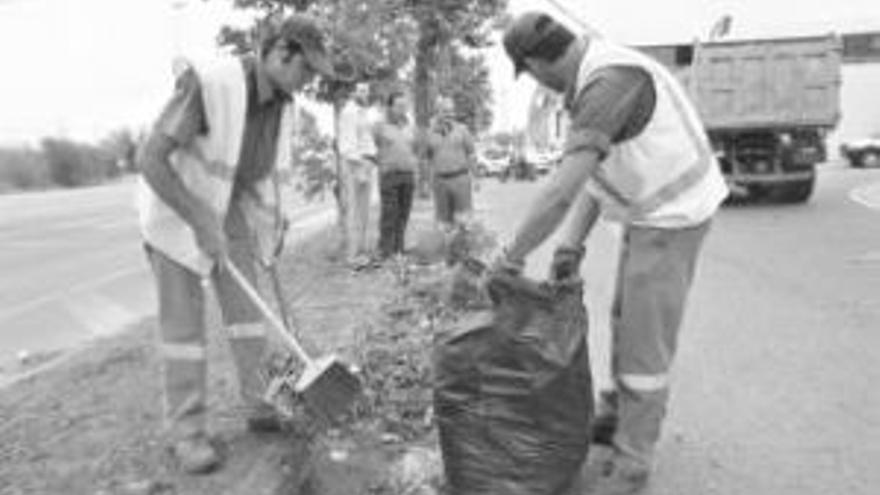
(553, 202)
(180, 122)
(583, 218)
(470, 152)
(612, 107)
(161, 177)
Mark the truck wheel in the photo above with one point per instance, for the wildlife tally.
(870, 159)
(795, 192)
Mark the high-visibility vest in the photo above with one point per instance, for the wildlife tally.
(670, 158)
(207, 168)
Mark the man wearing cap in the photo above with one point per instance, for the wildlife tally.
(636, 152)
(210, 193)
(450, 150)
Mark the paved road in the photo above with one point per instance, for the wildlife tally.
(776, 381)
(73, 267)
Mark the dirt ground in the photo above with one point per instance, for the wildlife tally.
(90, 425)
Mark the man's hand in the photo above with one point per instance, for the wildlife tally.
(502, 262)
(211, 238)
(566, 262)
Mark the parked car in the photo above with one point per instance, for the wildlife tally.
(544, 162)
(862, 152)
(493, 163)
(519, 169)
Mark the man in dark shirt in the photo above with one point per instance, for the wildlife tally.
(289, 57)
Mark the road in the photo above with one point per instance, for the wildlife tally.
(775, 383)
(775, 386)
(73, 267)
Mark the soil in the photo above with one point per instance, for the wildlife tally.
(91, 424)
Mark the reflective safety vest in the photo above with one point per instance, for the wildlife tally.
(667, 175)
(207, 167)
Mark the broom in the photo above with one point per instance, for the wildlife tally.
(327, 385)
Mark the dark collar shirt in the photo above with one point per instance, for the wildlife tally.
(614, 105)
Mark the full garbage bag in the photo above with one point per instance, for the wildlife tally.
(513, 393)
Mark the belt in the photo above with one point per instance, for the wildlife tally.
(450, 175)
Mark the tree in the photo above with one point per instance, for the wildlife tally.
(121, 145)
(74, 164)
(469, 87)
(377, 40)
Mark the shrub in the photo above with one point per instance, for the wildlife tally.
(73, 164)
(23, 168)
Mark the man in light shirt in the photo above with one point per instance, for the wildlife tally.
(358, 151)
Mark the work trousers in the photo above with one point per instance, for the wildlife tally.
(655, 274)
(396, 188)
(182, 326)
(452, 196)
(358, 187)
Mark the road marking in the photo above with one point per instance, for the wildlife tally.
(99, 314)
(84, 287)
(868, 195)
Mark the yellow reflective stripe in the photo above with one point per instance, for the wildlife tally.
(247, 331)
(685, 181)
(182, 352)
(218, 169)
(694, 173)
(644, 383)
(609, 189)
(215, 168)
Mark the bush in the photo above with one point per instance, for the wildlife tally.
(73, 164)
(23, 169)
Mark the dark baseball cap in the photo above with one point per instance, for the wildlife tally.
(305, 31)
(528, 32)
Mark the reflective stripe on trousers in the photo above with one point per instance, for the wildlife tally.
(655, 274)
(181, 295)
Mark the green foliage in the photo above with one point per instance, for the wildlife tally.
(375, 40)
(23, 168)
(73, 164)
(469, 87)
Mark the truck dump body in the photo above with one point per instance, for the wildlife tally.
(791, 82)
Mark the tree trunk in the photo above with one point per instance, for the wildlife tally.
(338, 186)
(425, 62)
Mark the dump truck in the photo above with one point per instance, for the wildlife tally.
(767, 105)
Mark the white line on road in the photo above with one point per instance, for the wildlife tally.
(868, 195)
(84, 287)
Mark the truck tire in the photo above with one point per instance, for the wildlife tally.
(870, 158)
(795, 192)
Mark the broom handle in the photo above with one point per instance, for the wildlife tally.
(273, 320)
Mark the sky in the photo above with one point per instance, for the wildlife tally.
(82, 68)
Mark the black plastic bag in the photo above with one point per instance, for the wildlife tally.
(513, 392)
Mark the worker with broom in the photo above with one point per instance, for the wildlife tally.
(210, 193)
(637, 153)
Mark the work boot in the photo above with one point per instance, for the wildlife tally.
(196, 454)
(263, 418)
(605, 423)
(269, 423)
(618, 477)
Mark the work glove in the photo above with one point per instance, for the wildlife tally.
(503, 264)
(566, 262)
